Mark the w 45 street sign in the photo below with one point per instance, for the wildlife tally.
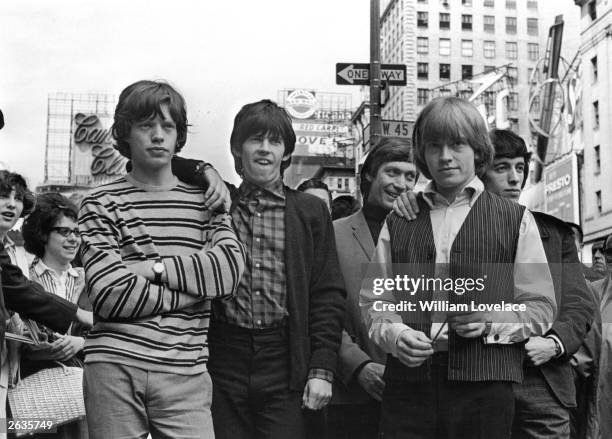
(359, 74)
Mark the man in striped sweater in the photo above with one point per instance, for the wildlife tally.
(153, 257)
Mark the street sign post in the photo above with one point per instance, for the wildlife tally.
(391, 128)
(359, 74)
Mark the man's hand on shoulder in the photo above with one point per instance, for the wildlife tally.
(317, 394)
(370, 378)
(217, 196)
(406, 205)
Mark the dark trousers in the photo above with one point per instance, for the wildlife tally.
(538, 414)
(443, 409)
(353, 421)
(250, 374)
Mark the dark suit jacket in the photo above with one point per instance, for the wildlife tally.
(576, 305)
(355, 248)
(30, 299)
(315, 290)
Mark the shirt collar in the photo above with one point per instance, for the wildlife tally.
(41, 268)
(472, 190)
(8, 243)
(251, 190)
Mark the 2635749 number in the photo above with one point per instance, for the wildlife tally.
(30, 425)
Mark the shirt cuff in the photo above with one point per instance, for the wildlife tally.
(558, 340)
(322, 374)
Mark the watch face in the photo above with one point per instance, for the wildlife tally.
(158, 267)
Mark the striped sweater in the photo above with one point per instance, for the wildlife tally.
(160, 328)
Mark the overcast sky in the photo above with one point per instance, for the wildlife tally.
(219, 54)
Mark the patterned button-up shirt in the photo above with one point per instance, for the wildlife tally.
(261, 298)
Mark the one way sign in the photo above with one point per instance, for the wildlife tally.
(359, 73)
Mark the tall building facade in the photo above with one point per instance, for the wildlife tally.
(595, 121)
(443, 42)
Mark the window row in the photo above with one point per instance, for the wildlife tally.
(467, 23)
(510, 4)
(488, 47)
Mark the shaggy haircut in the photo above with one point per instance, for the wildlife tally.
(143, 100)
(510, 145)
(50, 208)
(386, 150)
(12, 180)
(449, 119)
(264, 117)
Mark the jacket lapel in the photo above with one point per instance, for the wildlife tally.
(362, 235)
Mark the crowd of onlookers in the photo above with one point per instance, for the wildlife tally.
(200, 309)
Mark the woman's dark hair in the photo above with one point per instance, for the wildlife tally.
(50, 208)
(12, 180)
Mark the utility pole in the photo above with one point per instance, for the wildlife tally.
(375, 120)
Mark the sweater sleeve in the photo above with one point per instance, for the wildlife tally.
(214, 271)
(116, 293)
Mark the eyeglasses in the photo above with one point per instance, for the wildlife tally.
(66, 231)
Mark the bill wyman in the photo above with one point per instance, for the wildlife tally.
(445, 305)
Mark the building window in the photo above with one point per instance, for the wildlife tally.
(598, 201)
(422, 70)
(594, 68)
(422, 19)
(467, 48)
(444, 71)
(488, 69)
(532, 4)
(466, 22)
(593, 9)
(466, 2)
(510, 4)
(596, 114)
(445, 46)
(423, 45)
(489, 23)
(511, 25)
(513, 75)
(532, 26)
(597, 160)
(511, 50)
(466, 71)
(529, 74)
(533, 50)
(422, 96)
(489, 3)
(535, 105)
(489, 49)
(513, 101)
(444, 20)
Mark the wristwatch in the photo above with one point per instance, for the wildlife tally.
(158, 270)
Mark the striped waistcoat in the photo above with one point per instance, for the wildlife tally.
(485, 246)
